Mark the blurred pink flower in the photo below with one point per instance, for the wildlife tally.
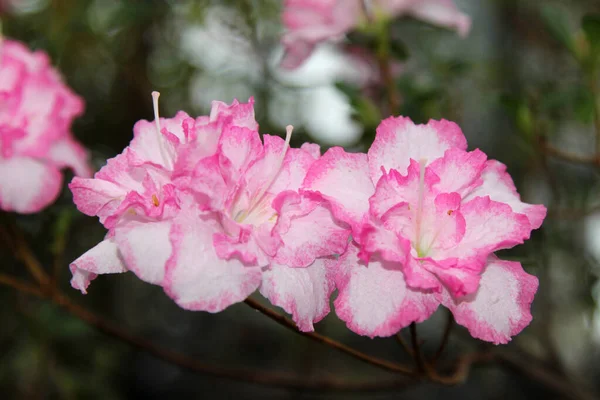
(426, 217)
(310, 22)
(205, 209)
(36, 112)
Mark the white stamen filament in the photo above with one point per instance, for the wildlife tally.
(261, 194)
(163, 151)
(422, 164)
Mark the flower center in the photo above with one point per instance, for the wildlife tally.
(419, 212)
(259, 208)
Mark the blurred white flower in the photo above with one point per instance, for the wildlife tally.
(230, 67)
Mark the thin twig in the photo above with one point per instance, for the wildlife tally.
(287, 323)
(387, 77)
(404, 345)
(15, 239)
(552, 380)
(184, 361)
(20, 286)
(445, 337)
(417, 348)
(573, 213)
(570, 157)
(61, 238)
(463, 366)
(383, 59)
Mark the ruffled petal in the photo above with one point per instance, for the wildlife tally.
(490, 226)
(399, 140)
(374, 300)
(241, 146)
(68, 153)
(302, 292)
(498, 184)
(394, 188)
(501, 306)
(343, 179)
(459, 171)
(376, 239)
(103, 258)
(96, 197)
(145, 247)
(307, 229)
(27, 185)
(196, 278)
(237, 114)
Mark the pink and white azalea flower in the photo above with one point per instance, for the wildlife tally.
(36, 112)
(205, 209)
(310, 22)
(426, 218)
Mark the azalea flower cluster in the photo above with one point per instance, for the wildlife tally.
(36, 112)
(311, 22)
(206, 209)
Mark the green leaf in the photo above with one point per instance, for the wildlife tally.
(591, 26)
(557, 24)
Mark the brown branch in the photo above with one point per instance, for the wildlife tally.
(573, 213)
(23, 253)
(530, 368)
(462, 369)
(287, 323)
(20, 286)
(418, 355)
(191, 364)
(404, 345)
(383, 58)
(387, 77)
(570, 157)
(445, 338)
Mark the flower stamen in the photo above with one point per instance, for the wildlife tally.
(259, 197)
(422, 164)
(161, 144)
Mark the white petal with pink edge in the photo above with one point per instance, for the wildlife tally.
(302, 292)
(27, 185)
(374, 300)
(144, 246)
(103, 258)
(196, 278)
(459, 171)
(490, 226)
(67, 152)
(398, 140)
(501, 306)
(307, 229)
(343, 179)
(498, 184)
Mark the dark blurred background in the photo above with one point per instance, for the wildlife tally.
(518, 83)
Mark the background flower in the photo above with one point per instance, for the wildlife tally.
(36, 113)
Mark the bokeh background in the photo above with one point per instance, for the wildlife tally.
(524, 80)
